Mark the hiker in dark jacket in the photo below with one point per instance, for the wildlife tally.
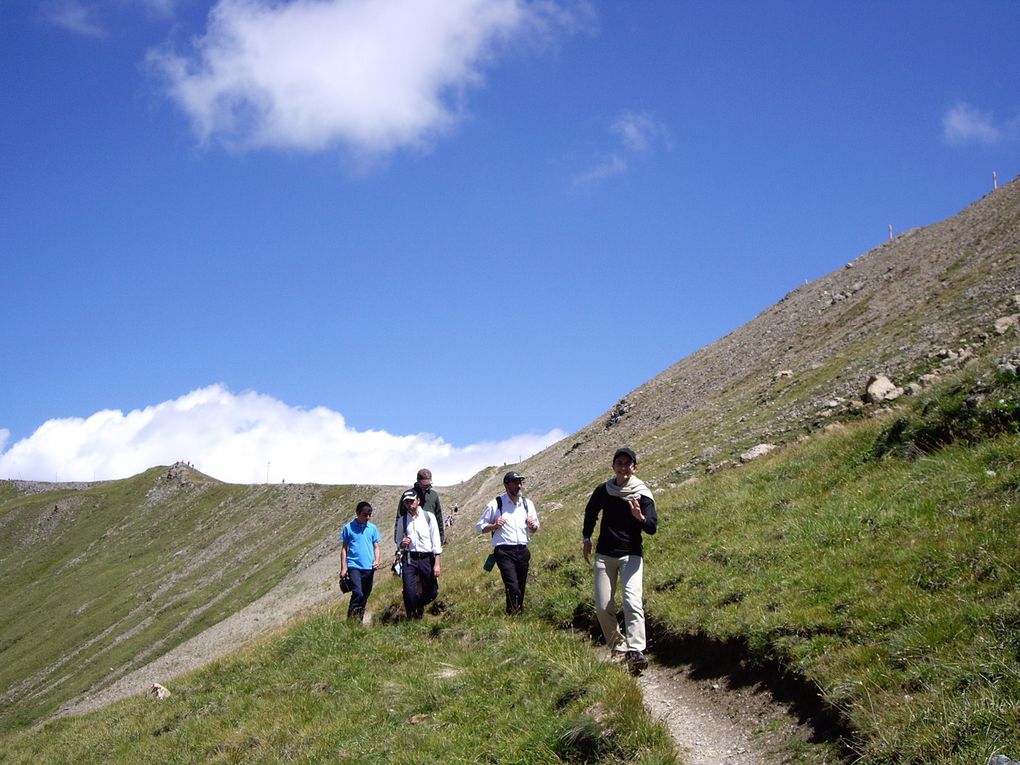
(627, 510)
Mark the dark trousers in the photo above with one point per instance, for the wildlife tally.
(361, 588)
(513, 562)
(420, 584)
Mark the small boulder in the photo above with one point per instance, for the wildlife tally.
(756, 451)
(157, 692)
(881, 388)
(1006, 323)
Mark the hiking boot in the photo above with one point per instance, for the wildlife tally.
(636, 661)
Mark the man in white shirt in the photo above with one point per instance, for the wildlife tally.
(511, 519)
(417, 538)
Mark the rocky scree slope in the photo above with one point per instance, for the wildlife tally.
(915, 307)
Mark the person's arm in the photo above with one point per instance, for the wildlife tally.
(591, 514)
(378, 548)
(439, 517)
(532, 517)
(651, 521)
(437, 542)
(484, 524)
(343, 558)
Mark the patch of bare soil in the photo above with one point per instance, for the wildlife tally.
(722, 710)
(713, 725)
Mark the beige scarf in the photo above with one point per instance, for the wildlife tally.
(633, 488)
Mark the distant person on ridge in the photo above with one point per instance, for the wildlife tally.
(511, 519)
(627, 509)
(429, 500)
(359, 557)
(417, 539)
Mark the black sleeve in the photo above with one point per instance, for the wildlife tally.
(591, 513)
(439, 520)
(651, 517)
(400, 513)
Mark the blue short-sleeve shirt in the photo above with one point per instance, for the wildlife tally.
(361, 539)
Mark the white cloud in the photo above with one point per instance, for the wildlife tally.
(640, 131)
(638, 134)
(75, 17)
(371, 75)
(609, 167)
(965, 124)
(96, 18)
(239, 438)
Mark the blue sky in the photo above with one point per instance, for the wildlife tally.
(336, 240)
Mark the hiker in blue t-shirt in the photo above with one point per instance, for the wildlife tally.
(359, 557)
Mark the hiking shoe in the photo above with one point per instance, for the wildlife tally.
(636, 661)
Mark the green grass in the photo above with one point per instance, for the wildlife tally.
(890, 583)
(92, 580)
(877, 563)
(475, 690)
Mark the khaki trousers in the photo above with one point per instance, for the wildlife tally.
(628, 570)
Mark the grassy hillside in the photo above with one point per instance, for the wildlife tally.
(872, 557)
(100, 580)
(876, 562)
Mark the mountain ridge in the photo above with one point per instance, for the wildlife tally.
(905, 308)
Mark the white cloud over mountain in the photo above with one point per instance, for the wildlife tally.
(246, 438)
(965, 123)
(371, 75)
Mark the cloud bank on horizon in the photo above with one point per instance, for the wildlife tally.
(247, 438)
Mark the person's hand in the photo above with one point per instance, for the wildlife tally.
(532, 524)
(405, 542)
(635, 509)
(587, 551)
(343, 571)
(501, 522)
(435, 570)
(375, 565)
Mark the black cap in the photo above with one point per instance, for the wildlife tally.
(628, 451)
(409, 494)
(513, 475)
